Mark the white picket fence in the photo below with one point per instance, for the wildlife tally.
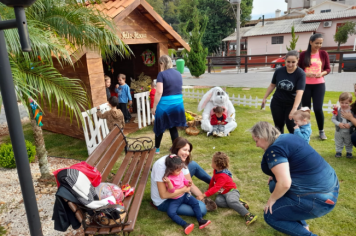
(95, 129)
(144, 115)
(246, 101)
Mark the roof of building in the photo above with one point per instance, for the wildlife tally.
(243, 31)
(330, 2)
(330, 16)
(119, 9)
(282, 27)
(284, 17)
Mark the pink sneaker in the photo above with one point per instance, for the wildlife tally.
(189, 228)
(204, 223)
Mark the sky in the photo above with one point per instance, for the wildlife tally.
(267, 8)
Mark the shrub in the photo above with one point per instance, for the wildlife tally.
(7, 158)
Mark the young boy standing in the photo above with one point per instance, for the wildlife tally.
(107, 86)
(114, 116)
(124, 95)
(344, 128)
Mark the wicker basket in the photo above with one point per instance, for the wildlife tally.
(192, 131)
(191, 123)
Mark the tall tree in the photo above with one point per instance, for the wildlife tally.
(56, 29)
(196, 58)
(158, 6)
(294, 41)
(221, 18)
(343, 33)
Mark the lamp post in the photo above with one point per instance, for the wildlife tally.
(237, 3)
(12, 114)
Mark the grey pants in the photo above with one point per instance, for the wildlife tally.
(231, 200)
(218, 128)
(343, 139)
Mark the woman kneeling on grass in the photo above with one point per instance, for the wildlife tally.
(303, 185)
(160, 196)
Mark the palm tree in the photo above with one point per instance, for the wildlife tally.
(57, 28)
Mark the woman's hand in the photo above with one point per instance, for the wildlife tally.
(269, 179)
(263, 104)
(310, 75)
(318, 75)
(346, 115)
(201, 197)
(153, 111)
(269, 205)
(292, 112)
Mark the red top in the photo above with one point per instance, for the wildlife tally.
(219, 181)
(324, 58)
(214, 120)
(152, 96)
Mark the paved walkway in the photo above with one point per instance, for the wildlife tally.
(262, 78)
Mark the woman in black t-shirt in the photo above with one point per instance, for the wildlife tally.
(289, 82)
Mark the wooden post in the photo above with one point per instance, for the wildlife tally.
(341, 59)
(209, 66)
(246, 68)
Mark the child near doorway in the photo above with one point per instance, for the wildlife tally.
(153, 92)
(113, 116)
(124, 95)
(107, 87)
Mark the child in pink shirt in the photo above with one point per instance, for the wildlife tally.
(174, 179)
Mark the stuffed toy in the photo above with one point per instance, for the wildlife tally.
(217, 97)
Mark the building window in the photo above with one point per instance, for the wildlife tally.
(232, 46)
(277, 39)
(325, 11)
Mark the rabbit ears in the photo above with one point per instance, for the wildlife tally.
(206, 98)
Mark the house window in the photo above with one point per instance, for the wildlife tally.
(277, 39)
(325, 11)
(232, 46)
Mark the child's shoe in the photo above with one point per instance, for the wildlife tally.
(157, 151)
(209, 134)
(188, 228)
(215, 134)
(203, 223)
(221, 134)
(338, 154)
(244, 203)
(249, 218)
(349, 155)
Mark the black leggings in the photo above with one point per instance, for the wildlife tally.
(317, 93)
(174, 135)
(124, 110)
(280, 113)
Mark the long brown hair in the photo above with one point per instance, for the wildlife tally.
(180, 143)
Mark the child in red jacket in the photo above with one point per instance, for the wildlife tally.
(218, 122)
(222, 183)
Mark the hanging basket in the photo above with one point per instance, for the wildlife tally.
(192, 131)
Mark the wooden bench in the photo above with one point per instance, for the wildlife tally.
(225, 61)
(134, 170)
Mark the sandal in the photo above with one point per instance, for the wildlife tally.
(245, 204)
(249, 218)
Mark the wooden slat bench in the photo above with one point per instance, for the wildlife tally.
(226, 61)
(134, 170)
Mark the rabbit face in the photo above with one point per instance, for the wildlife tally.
(219, 97)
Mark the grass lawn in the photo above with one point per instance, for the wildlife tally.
(245, 166)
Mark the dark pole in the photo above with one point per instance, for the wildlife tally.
(17, 137)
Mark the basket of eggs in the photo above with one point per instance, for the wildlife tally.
(192, 123)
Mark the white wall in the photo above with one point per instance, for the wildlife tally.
(350, 2)
(295, 4)
(330, 32)
(263, 45)
(331, 6)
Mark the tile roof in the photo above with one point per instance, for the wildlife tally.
(330, 16)
(113, 8)
(243, 31)
(282, 27)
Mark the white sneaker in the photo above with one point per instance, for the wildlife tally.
(221, 134)
(215, 134)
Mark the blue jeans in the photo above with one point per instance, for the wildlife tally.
(183, 209)
(290, 211)
(197, 171)
(176, 203)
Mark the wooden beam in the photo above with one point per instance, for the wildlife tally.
(127, 11)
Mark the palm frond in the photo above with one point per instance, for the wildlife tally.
(50, 87)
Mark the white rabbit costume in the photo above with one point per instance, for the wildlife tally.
(217, 97)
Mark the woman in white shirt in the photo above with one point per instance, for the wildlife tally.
(159, 194)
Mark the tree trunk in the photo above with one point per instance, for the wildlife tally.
(338, 46)
(40, 149)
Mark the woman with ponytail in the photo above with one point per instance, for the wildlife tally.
(316, 65)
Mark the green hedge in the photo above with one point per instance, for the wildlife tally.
(7, 158)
